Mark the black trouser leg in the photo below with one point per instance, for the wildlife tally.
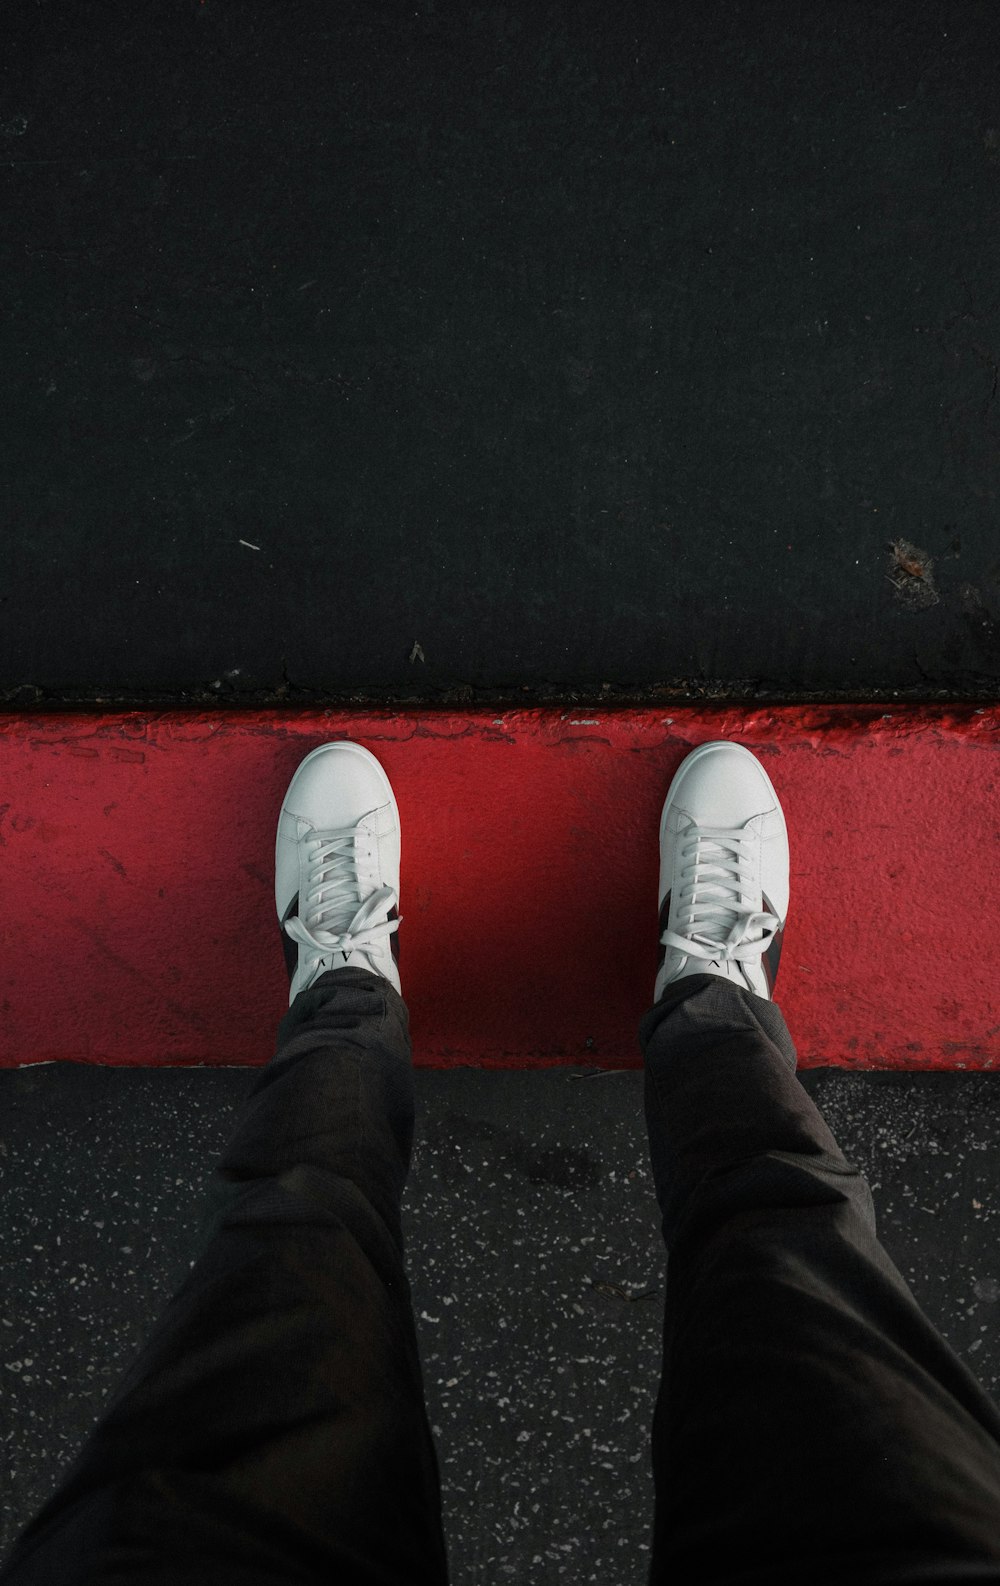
(274, 1428)
(811, 1424)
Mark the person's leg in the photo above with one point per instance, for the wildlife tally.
(274, 1427)
(811, 1424)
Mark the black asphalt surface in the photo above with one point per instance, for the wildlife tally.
(449, 350)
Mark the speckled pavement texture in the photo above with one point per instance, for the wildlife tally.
(534, 1257)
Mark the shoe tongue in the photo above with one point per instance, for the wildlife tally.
(730, 969)
(723, 967)
(354, 958)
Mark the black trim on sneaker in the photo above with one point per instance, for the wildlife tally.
(772, 952)
(664, 916)
(290, 948)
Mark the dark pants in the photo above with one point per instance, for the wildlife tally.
(811, 1424)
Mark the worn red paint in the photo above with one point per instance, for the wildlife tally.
(136, 853)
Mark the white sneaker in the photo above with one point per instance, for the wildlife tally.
(723, 871)
(336, 867)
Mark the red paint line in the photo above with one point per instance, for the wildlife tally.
(137, 851)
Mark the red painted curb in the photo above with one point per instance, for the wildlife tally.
(136, 853)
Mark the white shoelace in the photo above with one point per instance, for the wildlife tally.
(334, 866)
(714, 863)
(715, 860)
